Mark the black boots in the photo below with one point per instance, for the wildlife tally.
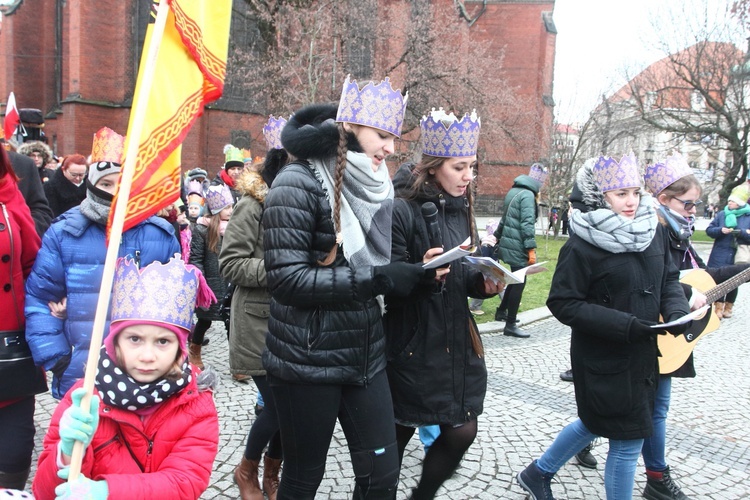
(535, 482)
(512, 330)
(14, 480)
(585, 458)
(501, 315)
(660, 486)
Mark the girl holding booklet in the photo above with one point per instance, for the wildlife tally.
(436, 368)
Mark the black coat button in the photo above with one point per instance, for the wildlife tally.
(2, 226)
(7, 287)
(6, 258)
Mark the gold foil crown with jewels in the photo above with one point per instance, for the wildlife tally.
(109, 146)
(445, 136)
(661, 175)
(376, 105)
(610, 175)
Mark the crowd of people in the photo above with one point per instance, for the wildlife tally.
(336, 312)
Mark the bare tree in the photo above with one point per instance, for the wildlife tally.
(297, 52)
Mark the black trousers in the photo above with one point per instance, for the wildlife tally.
(307, 417)
(512, 298)
(17, 435)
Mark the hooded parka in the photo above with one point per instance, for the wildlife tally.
(516, 233)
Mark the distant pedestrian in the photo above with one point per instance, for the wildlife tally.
(613, 280)
(41, 154)
(67, 186)
(516, 235)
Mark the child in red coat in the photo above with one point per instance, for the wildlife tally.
(151, 430)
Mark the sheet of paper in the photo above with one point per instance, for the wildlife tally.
(688, 317)
(493, 270)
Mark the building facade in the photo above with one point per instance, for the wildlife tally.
(77, 61)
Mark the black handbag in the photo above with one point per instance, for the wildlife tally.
(19, 376)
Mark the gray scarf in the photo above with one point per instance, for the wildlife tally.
(614, 233)
(95, 208)
(366, 209)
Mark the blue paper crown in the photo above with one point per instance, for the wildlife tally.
(376, 105)
(445, 136)
(218, 198)
(661, 175)
(272, 132)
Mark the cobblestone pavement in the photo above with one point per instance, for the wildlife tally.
(708, 434)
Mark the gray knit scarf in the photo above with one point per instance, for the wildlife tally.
(366, 208)
(95, 208)
(614, 233)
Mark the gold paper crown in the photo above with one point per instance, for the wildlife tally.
(108, 146)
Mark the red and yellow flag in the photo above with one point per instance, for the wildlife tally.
(190, 72)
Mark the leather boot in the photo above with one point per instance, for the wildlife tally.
(512, 330)
(727, 313)
(719, 309)
(271, 468)
(246, 477)
(14, 480)
(194, 353)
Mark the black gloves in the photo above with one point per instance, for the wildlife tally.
(640, 331)
(60, 366)
(397, 279)
(679, 329)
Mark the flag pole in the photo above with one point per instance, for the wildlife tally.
(140, 104)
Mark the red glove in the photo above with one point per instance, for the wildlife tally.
(532, 256)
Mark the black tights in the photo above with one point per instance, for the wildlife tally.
(201, 327)
(442, 458)
(512, 298)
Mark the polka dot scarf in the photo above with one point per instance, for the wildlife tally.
(118, 389)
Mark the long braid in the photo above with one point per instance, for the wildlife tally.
(338, 180)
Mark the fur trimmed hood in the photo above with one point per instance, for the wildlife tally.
(36, 147)
(585, 191)
(250, 183)
(312, 133)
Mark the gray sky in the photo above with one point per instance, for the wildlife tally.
(597, 39)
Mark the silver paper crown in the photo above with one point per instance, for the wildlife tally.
(376, 105)
(539, 173)
(445, 136)
(218, 198)
(610, 175)
(165, 293)
(661, 175)
(272, 132)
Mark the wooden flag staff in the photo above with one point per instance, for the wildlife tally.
(140, 104)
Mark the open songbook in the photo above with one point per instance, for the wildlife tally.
(496, 272)
(462, 250)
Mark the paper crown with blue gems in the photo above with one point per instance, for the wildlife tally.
(445, 136)
(218, 198)
(661, 175)
(539, 173)
(609, 174)
(376, 105)
(272, 132)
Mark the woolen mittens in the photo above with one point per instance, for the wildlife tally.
(640, 331)
(78, 424)
(397, 279)
(82, 488)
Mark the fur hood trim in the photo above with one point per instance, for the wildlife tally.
(250, 183)
(312, 133)
(36, 147)
(591, 195)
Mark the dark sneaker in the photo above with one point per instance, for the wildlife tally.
(501, 315)
(585, 458)
(567, 375)
(660, 486)
(535, 482)
(512, 330)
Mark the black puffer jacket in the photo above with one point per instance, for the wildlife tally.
(599, 294)
(208, 262)
(434, 373)
(325, 324)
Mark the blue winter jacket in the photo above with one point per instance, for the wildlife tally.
(70, 264)
(722, 253)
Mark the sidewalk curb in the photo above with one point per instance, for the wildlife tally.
(524, 318)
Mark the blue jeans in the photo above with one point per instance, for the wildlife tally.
(619, 472)
(654, 447)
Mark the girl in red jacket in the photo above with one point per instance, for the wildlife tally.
(151, 430)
